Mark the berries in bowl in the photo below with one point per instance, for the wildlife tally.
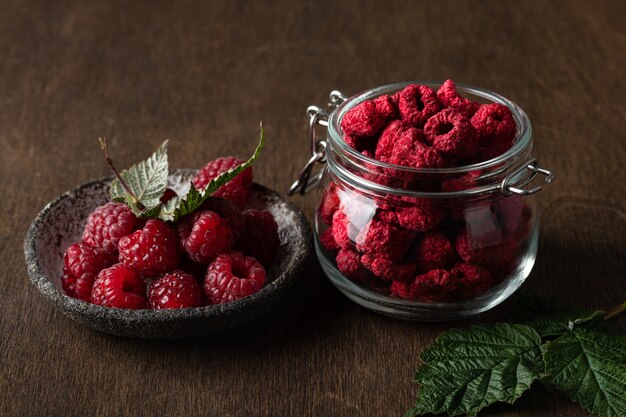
(153, 253)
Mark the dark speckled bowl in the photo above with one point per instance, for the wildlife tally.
(61, 223)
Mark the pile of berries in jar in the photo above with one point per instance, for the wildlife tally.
(429, 250)
(215, 255)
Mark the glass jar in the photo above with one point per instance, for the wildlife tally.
(422, 244)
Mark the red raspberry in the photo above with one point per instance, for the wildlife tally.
(433, 286)
(119, 286)
(388, 139)
(495, 125)
(387, 217)
(385, 107)
(484, 154)
(461, 183)
(168, 195)
(434, 251)
(451, 132)
(204, 234)
(349, 264)
(236, 190)
(175, 290)
(450, 98)
(412, 152)
(340, 228)
(419, 215)
(417, 104)
(495, 256)
(383, 240)
(260, 239)
(362, 120)
(232, 276)
(152, 251)
(227, 211)
(472, 280)
(513, 215)
(328, 240)
(68, 282)
(108, 224)
(330, 204)
(83, 263)
(388, 270)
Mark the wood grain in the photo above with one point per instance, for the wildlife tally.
(204, 74)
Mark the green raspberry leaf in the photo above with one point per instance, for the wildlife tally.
(146, 182)
(589, 365)
(466, 370)
(179, 207)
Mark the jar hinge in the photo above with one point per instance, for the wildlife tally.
(512, 184)
(317, 117)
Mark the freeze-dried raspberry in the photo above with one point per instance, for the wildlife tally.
(416, 154)
(452, 133)
(495, 125)
(495, 256)
(236, 190)
(175, 290)
(260, 238)
(514, 215)
(388, 270)
(350, 141)
(419, 215)
(383, 240)
(483, 154)
(340, 229)
(450, 98)
(330, 204)
(461, 183)
(119, 286)
(417, 103)
(232, 276)
(387, 217)
(84, 262)
(204, 234)
(385, 107)
(434, 286)
(388, 139)
(364, 119)
(152, 251)
(447, 92)
(471, 280)
(328, 240)
(108, 224)
(227, 211)
(434, 251)
(349, 264)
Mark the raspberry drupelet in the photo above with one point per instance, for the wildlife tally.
(232, 276)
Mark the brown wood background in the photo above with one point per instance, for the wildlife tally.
(204, 74)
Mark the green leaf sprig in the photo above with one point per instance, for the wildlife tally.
(567, 349)
(142, 185)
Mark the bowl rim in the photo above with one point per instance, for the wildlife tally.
(48, 289)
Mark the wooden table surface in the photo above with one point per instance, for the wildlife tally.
(204, 74)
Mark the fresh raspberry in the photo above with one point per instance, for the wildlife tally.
(108, 224)
(260, 238)
(175, 290)
(341, 229)
(472, 280)
(419, 215)
(328, 240)
(495, 125)
(513, 215)
(236, 190)
(119, 286)
(452, 133)
(232, 276)
(388, 270)
(152, 251)
(434, 251)
(83, 263)
(388, 139)
(433, 286)
(329, 205)
(496, 256)
(384, 241)
(204, 234)
(385, 107)
(363, 120)
(168, 195)
(417, 104)
(349, 264)
(68, 283)
(227, 211)
(450, 98)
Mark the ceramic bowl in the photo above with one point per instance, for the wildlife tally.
(61, 223)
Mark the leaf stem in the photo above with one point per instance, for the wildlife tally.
(103, 145)
(616, 311)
